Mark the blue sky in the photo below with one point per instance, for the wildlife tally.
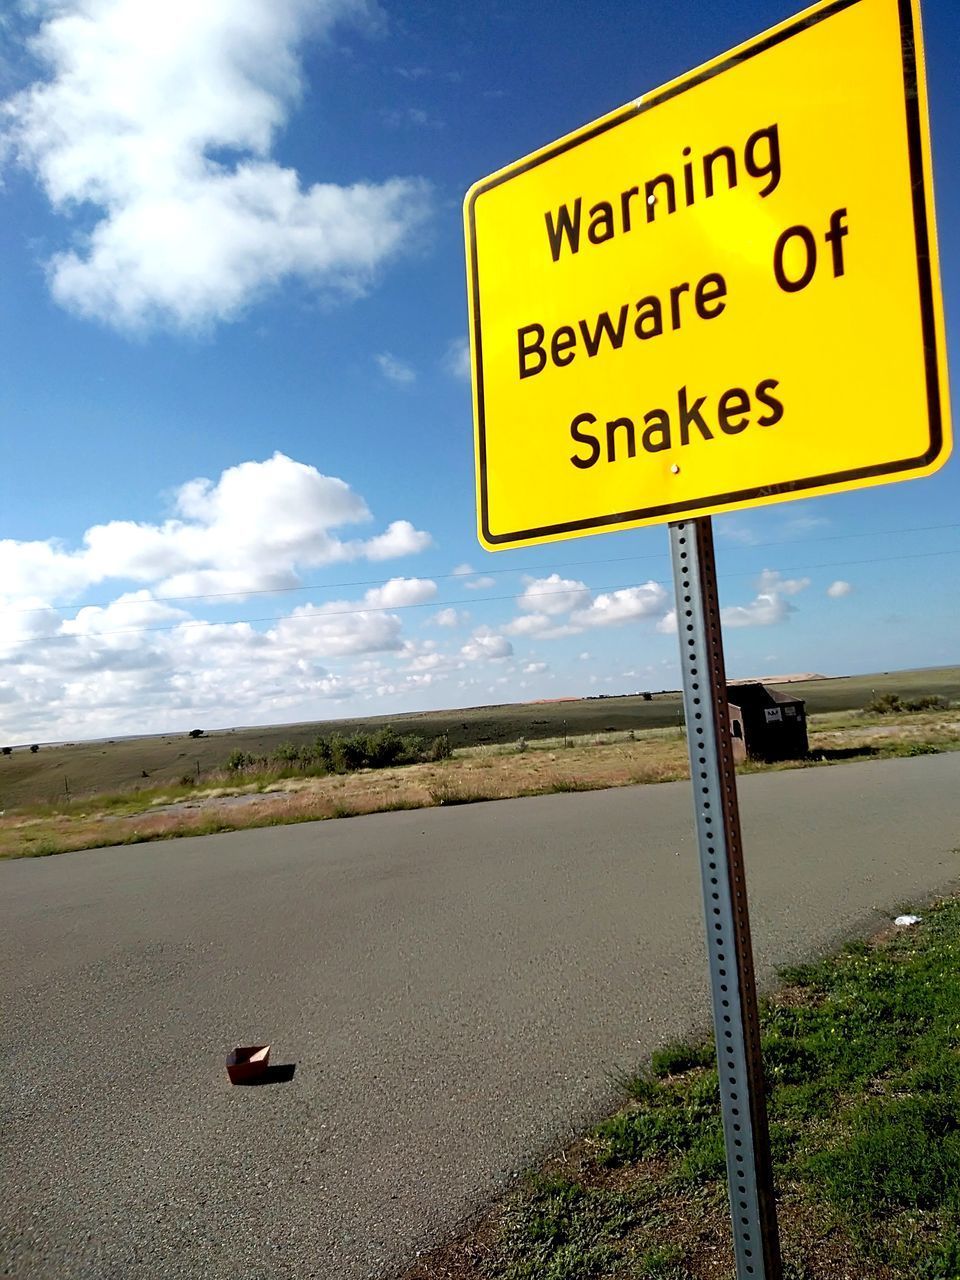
(237, 481)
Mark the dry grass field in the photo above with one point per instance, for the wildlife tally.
(57, 773)
(173, 802)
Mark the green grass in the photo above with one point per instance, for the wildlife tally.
(564, 1232)
(862, 1052)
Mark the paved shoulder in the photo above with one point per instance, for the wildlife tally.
(455, 987)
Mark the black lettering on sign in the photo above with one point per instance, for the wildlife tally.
(773, 404)
(604, 328)
(711, 289)
(656, 434)
(808, 240)
(564, 227)
(649, 321)
(584, 437)
(650, 191)
(625, 198)
(714, 171)
(689, 190)
(771, 167)
(627, 425)
(675, 293)
(834, 238)
(534, 348)
(732, 409)
(709, 161)
(690, 416)
(561, 342)
(601, 223)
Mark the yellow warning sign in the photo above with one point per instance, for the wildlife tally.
(723, 294)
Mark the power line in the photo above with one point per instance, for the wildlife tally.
(485, 572)
(439, 604)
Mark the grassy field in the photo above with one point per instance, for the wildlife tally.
(280, 794)
(55, 774)
(863, 1075)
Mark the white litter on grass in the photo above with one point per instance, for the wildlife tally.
(903, 921)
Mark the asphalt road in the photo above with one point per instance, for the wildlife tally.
(455, 986)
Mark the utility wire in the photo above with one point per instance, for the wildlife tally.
(439, 604)
(478, 573)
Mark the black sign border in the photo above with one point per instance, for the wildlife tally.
(928, 308)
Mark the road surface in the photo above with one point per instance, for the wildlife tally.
(456, 987)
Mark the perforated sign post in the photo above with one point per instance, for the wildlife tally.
(723, 294)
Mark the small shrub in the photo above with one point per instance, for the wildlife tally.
(382, 748)
(439, 748)
(634, 1134)
(521, 744)
(674, 1059)
(236, 761)
(7, 750)
(347, 754)
(286, 753)
(929, 702)
(892, 704)
(34, 749)
(196, 733)
(885, 704)
(413, 750)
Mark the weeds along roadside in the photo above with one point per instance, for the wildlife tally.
(862, 1053)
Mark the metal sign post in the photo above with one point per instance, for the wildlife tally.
(736, 1020)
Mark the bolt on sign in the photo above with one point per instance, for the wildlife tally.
(721, 295)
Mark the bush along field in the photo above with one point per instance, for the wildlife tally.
(862, 1056)
(377, 749)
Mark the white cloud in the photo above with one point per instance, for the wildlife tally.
(770, 580)
(528, 624)
(395, 370)
(667, 626)
(627, 605)
(534, 668)
(725, 528)
(553, 595)
(486, 645)
(144, 662)
(248, 531)
(450, 618)
(456, 359)
(400, 539)
(415, 116)
(156, 122)
(480, 584)
(837, 590)
(463, 570)
(770, 605)
(336, 629)
(400, 592)
(804, 524)
(767, 609)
